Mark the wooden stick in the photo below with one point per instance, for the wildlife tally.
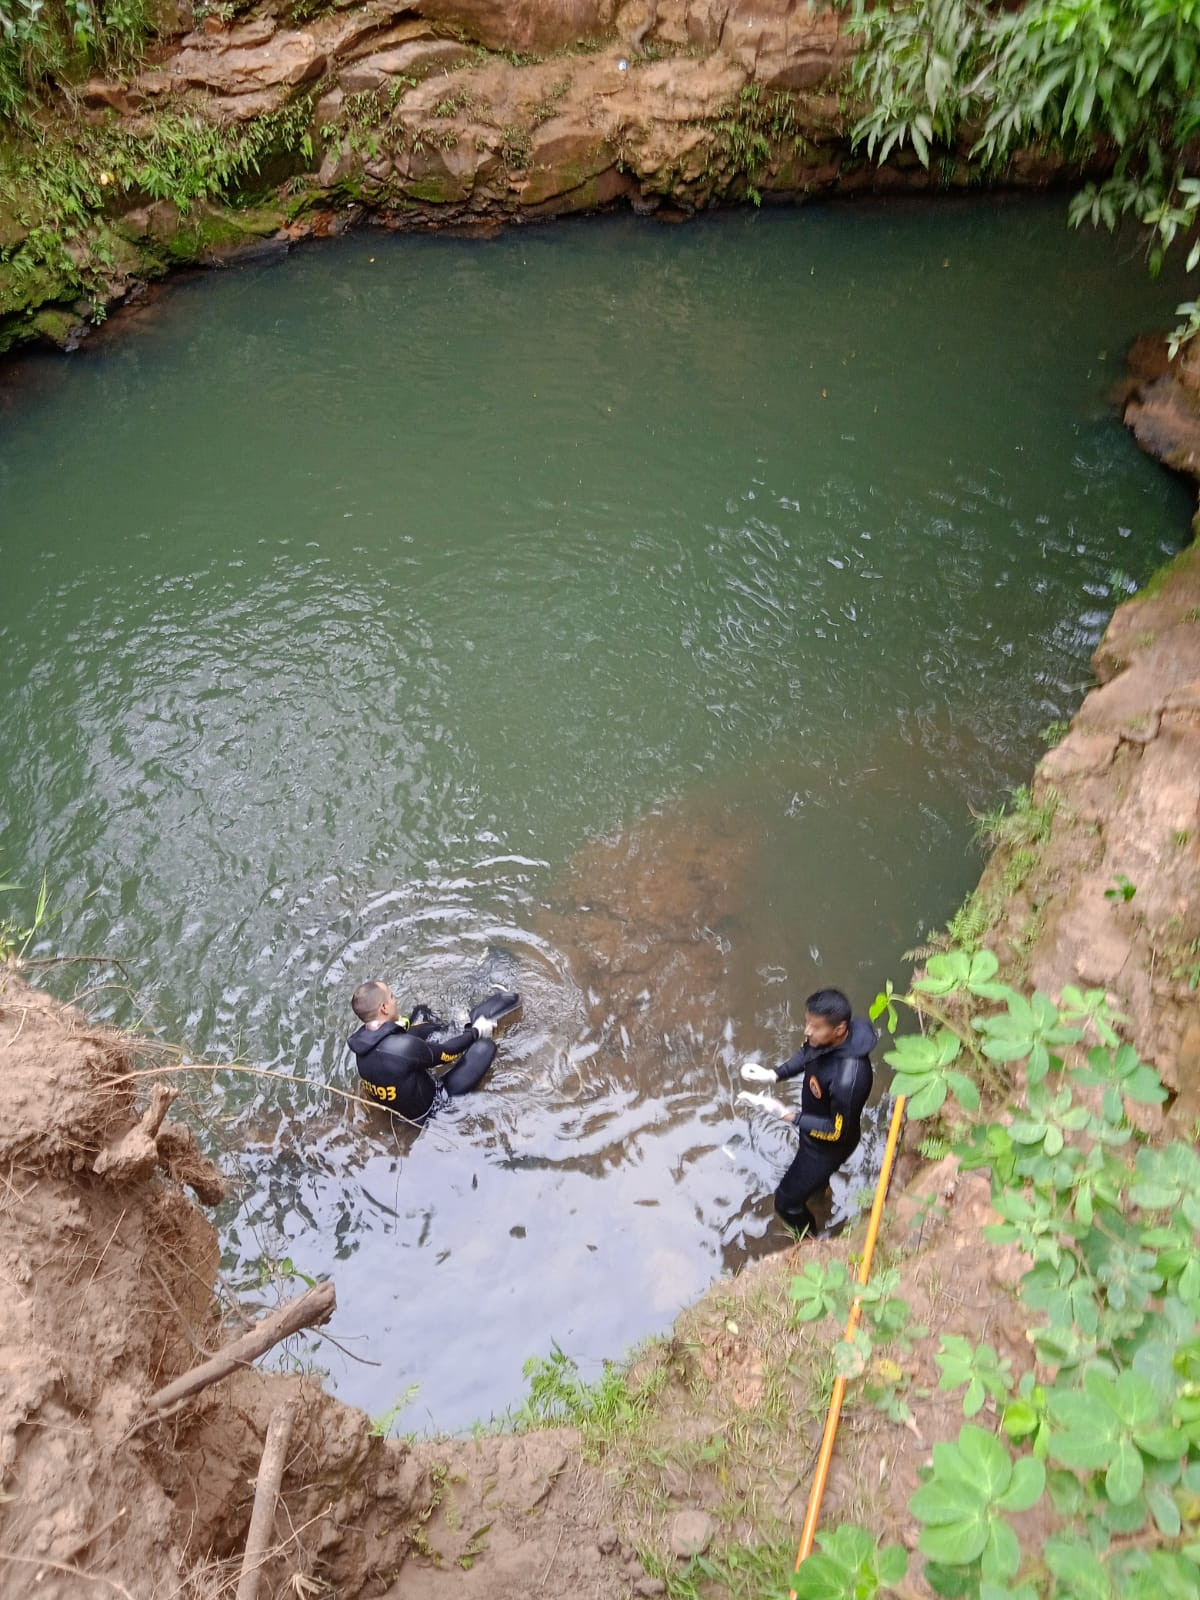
(314, 1306)
(266, 1492)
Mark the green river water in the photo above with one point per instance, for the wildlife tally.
(634, 612)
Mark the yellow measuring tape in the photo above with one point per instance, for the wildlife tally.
(808, 1533)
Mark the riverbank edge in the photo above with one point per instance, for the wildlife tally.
(115, 1269)
(707, 1445)
(246, 131)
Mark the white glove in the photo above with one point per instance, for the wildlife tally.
(755, 1072)
(768, 1102)
(484, 1027)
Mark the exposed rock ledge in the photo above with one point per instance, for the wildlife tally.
(1111, 898)
(423, 112)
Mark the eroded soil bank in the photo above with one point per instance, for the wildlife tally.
(110, 1271)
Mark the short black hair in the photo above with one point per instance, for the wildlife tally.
(830, 1004)
(368, 998)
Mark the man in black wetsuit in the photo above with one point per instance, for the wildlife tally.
(396, 1062)
(835, 1061)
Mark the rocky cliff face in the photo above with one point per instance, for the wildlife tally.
(415, 113)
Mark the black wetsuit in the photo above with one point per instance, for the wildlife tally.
(837, 1081)
(396, 1064)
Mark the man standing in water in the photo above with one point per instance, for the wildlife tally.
(396, 1062)
(835, 1061)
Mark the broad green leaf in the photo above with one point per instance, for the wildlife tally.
(1001, 1553)
(964, 1090)
(943, 1500)
(1077, 1569)
(891, 1564)
(985, 1461)
(1019, 1419)
(944, 973)
(1027, 1486)
(1005, 1591)
(1164, 1510)
(1129, 1397)
(955, 1543)
(820, 1577)
(1123, 1480)
(853, 1546)
(925, 1102)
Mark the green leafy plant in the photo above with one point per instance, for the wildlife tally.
(15, 934)
(964, 1506)
(1121, 889)
(848, 1566)
(57, 188)
(383, 1424)
(1081, 77)
(1021, 823)
(750, 132)
(42, 45)
(977, 1368)
(1106, 1428)
(560, 1396)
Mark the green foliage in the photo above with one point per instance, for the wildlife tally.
(924, 1066)
(1022, 823)
(1026, 1031)
(58, 189)
(823, 1289)
(266, 1268)
(559, 1396)
(1122, 889)
(1106, 1428)
(847, 1566)
(516, 146)
(973, 920)
(42, 45)
(15, 934)
(978, 1368)
(751, 132)
(1074, 76)
(383, 1424)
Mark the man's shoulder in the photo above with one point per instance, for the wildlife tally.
(400, 1045)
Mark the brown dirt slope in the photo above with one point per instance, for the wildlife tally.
(109, 1280)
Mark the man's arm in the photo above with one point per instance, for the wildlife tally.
(449, 1050)
(793, 1066)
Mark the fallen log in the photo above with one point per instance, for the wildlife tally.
(266, 1492)
(314, 1306)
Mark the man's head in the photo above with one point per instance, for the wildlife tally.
(826, 1017)
(373, 1002)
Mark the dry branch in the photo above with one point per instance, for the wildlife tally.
(314, 1306)
(266, 1491)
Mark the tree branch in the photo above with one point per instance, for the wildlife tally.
(314, 1306)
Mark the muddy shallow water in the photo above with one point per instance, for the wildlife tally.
(634, 614)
